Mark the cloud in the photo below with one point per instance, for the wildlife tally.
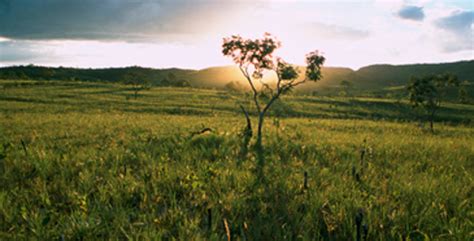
(459, 29)
(146, 20)
(22, 51)
(458, 22)
(187, 33)
(330, 31)
(97, 53)
(412, 13)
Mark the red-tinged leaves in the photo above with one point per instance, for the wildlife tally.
(245, 52)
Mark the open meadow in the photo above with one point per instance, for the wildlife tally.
(87, 161)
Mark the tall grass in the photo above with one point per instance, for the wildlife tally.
(99, 166)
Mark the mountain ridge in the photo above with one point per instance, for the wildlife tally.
(373, 77)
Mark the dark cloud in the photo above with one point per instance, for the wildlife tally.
(4, 6)
(459, 26)
(458, 22)
(110, 19)
(412, 13)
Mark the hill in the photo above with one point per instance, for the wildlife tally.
(373, 78)
(155, 77)
(219, 77)
(380, 76)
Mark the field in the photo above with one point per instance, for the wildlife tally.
(86, 161)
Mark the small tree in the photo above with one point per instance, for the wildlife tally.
(233, 86)
(346, 87)
(428, 92)
(137, 80)
(462, 94)
(255, 58)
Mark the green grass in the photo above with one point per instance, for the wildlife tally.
(96, 163)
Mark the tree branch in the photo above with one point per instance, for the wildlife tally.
(278, 82)
(292, 84)
(275, 96)
(255, 92)
(265, 85)
(249, 123)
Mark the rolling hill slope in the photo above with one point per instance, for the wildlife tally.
(370, 78)
(380, 76)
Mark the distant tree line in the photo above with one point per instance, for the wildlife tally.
(148, 76)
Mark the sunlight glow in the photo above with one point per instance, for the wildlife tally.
(359, 33)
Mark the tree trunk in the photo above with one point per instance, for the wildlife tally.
(259, 145)
(247, 136)
(432, 121)
(431, 124)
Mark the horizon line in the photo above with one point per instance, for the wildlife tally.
(216, 66)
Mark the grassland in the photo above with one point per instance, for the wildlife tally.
(86, 161)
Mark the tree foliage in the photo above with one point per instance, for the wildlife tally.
(428, 92)
(462, 93)
(155, 77)
(346, 87)
(137, 81)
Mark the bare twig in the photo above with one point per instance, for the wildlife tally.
(227, 230)
(24, 147)
(204, 130)
(305, 183)
(209, 219)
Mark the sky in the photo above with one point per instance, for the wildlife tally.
(189, 33)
